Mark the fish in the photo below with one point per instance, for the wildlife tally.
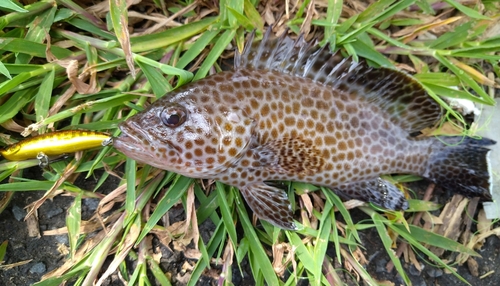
(292, 111)
(55, 144)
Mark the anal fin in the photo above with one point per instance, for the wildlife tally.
(270, 204)
(378, 191)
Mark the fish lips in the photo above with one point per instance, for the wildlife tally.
(130, 142)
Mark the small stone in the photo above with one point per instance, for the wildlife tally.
(434, 272)
(380, 265)
(18, 212)
(52, 212)
(38, 268)
(62, 239)
(417, 281)
(398, 280)
(91, 204)
(371, 257)
(15, 245)
(473, 267)
(414, 271)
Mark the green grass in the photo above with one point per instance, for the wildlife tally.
(61, 65)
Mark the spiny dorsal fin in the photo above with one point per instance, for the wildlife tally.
(397, 93)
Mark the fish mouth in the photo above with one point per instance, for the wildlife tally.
(130, 142)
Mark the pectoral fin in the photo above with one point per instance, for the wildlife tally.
(379, 191)
(270, 204)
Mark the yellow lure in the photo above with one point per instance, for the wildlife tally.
(55, 143)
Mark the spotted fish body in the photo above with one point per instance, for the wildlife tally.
(289, 111)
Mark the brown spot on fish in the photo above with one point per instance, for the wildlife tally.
(245, 163)
(199, 141)
(210, 150)
(300, 124)
(262, 125)
(218, 120)
(255, 84)
(227, 88)
(227, 141)
(307, 102)
(274, 133)
(314, 114)
(274, 106)
(376, 149)
(318, 141)
(270, 122)
(342, 146)
(228, 127)
(232, 152)
(338, 135)
(320, 127)
(209, 109)
(246, 86)
(310, 123)
(198, 152)
(238, 142)
(285, 97)
(237, 85)
(350, 144)
(265, 110)
(221, 159)
(290, 121)
(205, 98)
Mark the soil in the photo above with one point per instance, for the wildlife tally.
(38, 256)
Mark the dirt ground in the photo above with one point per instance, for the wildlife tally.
(38, 256)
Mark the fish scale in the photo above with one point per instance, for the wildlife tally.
(291, 111)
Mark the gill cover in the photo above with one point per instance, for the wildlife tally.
(235, 133)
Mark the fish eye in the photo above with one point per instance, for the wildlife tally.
(173, 116)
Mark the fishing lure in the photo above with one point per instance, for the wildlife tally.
(55, 144)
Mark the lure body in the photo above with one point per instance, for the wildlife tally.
(289, 111)
(54, 144)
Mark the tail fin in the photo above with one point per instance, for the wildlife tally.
(461, 165)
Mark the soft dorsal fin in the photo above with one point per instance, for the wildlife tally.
(397, 93)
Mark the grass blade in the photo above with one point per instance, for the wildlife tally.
(176, 191)
(9, 4)
(73, 222)
(169, 37)
(215, 53)
(484, 97)
(261, 262)
(119, 20)
(225, 206)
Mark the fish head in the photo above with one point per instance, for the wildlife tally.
(186, 135)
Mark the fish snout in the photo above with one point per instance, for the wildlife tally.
(129, 140)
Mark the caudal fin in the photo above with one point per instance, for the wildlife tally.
(461, 165)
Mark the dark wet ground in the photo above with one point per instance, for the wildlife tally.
(44, 254)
